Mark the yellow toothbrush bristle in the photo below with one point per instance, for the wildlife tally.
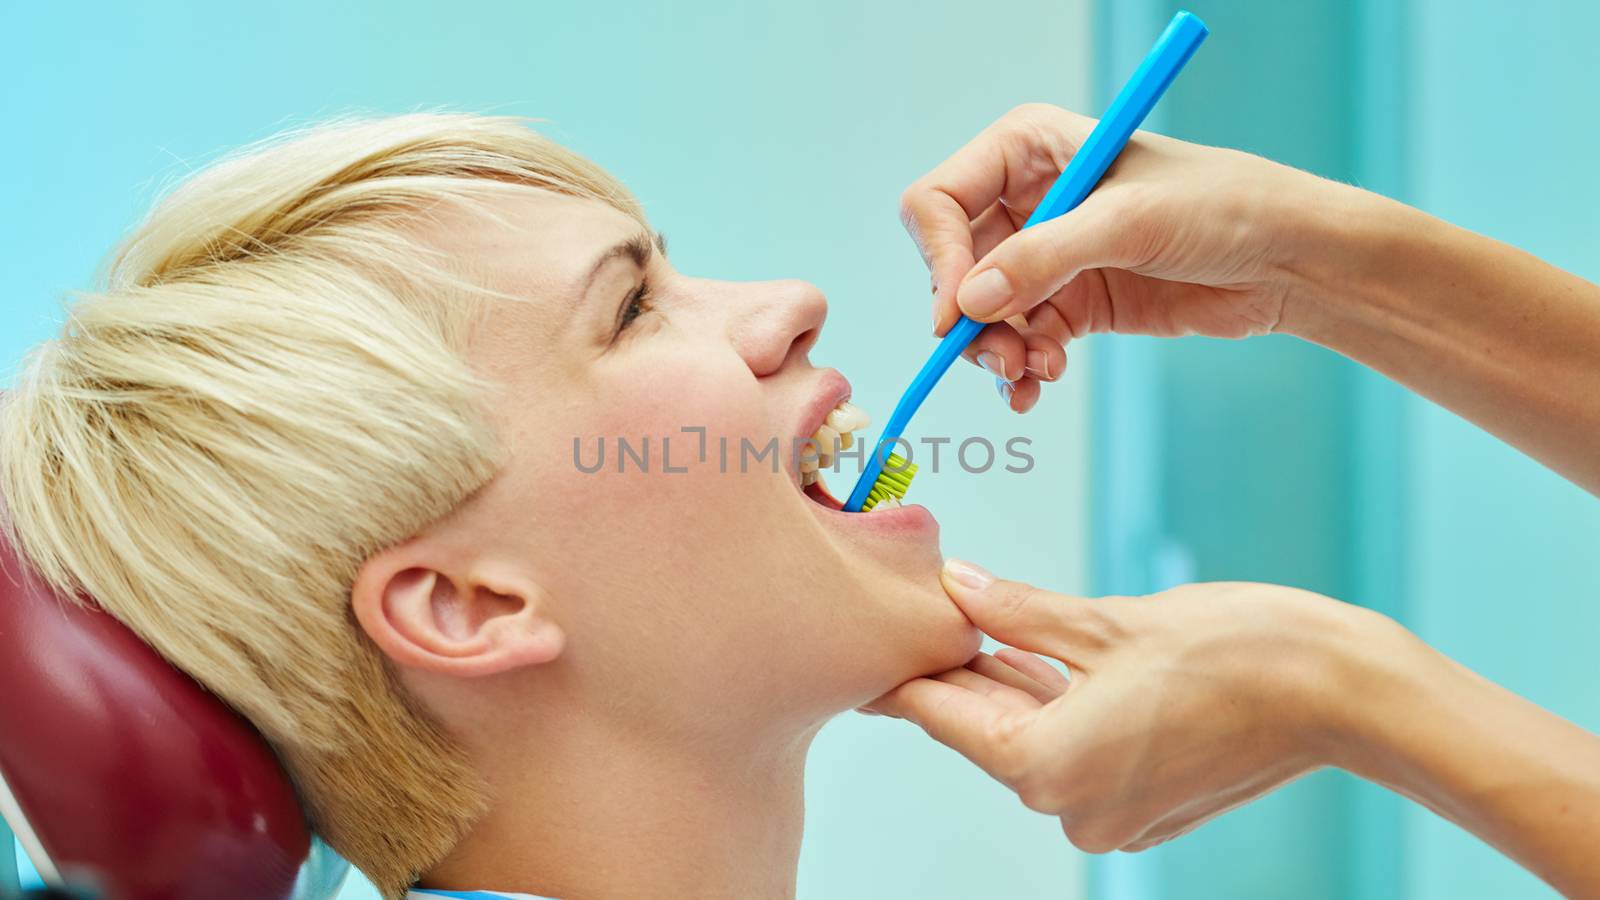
(893, 481)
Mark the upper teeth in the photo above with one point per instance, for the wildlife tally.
(833, 435)
(847, 417)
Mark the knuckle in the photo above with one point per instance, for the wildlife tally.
(1134, 226)
(1032, 110)
(1037, 260)
(1100, 623)
(911, 202)
(1039, 793)
(1017, 600)
(1007, 735)
(940, 710)
(1090, 835)
(1056, 258)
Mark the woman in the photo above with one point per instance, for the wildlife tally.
(344, 439)
(1201, 698)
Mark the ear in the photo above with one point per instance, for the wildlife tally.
(463, 620)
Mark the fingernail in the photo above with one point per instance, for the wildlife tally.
(936, 323)
(1038, 363)
(1005, 389)
(969, 575)
(991, 362)
(985, 293)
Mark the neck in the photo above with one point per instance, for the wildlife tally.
(585, 810)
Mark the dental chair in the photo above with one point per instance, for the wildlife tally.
(123, 777)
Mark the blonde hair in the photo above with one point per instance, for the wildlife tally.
(272, 388)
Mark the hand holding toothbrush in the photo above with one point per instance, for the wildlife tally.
(1178, 239)
(1182, 239)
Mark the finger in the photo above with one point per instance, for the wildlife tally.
(1036, 262)
(1014, 160)
(943, 233)
(992, 736)
(1045, 320)
(1000, 351)
(1046, 358)
(1071, 629)
(997, 669)
(1035, 668)
(1004, 694)
(1021, 396)
(938, 209)
(944, 212)
(1081, 307)
(992, 226)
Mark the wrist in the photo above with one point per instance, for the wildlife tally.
(1357, 671)
(1388, 686)
(1339, 251)
(1323, 680)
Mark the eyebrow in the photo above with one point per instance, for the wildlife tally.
(637, 249)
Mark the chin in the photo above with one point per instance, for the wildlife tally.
(907, 625)
(946, 639)
(925, 632)
(937, 634)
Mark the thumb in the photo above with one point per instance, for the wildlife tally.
(1023, 270)
(1065, 627)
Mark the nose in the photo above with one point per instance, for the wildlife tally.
(776, 322)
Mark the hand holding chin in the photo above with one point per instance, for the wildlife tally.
(1180, 705)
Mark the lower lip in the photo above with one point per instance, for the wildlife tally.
(904, 518)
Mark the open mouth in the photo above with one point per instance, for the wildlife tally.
(836, 433)
(818, 492)
(827, 428)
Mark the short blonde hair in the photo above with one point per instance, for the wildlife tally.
(270, 389)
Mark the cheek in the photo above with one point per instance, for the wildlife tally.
(643, 448)
(674, 395)
(654, 538)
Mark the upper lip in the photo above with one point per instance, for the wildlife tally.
(831, 390)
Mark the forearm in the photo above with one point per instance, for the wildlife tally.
(1525, 781)
(1486, 330)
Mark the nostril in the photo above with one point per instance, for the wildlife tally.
(805, 341)
(779, 326)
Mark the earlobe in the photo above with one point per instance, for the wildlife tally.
(467, 625)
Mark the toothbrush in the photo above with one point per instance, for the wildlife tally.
(886, 473)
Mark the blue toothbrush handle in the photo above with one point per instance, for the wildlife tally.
(1133, 103)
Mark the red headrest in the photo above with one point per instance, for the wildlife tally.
(132, 779)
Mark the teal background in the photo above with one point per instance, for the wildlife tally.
(773, 139)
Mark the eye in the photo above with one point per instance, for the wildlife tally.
(636, 305)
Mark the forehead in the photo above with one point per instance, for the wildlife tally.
(529, 242)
